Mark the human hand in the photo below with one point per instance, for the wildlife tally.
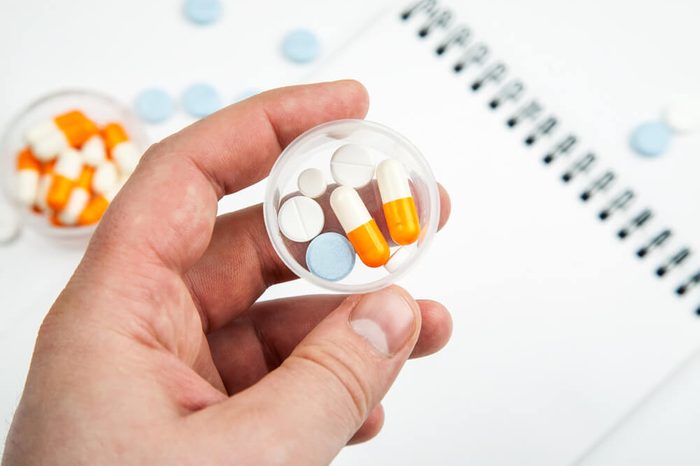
(156, 352)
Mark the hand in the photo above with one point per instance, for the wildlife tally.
(156, 352)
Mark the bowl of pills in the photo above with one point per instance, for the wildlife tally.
(65, 157)
(351, 205)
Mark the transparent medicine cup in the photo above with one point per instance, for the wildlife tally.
(314, 149)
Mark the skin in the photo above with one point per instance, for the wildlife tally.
(156, 351)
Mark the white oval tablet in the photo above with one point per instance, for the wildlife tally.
(683, 115)
(352, 165)
(300, 219)
(311, 183)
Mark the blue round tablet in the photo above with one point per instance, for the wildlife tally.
(330, 256)
(203, 11)
(154, 105)
(301, 46)
(200, 100)
(651, 139)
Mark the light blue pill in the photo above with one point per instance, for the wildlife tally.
(301, 46)
(200, 100)
(154, 105)
(330, 256)
(203, 11)
(651, 139)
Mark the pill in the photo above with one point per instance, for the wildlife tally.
(9, 222)
(352, 165)
(311, 183)
(683, 115)
(300, 46)
(78, 199)
(200, 100)
(330, 256)
(27, 179)
(397, 200)
(45, 181)
(97, 206)
(94, 151)
(70, 129)
(203, 11)
(399, 258)
(300, 219)
(360, 227)
(66, 173)
(651, 138)
(154, 105)
(105, 177)
(123, 151)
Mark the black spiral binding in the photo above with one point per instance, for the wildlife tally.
(509, 91)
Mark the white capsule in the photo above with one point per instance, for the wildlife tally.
(69, 164)
(42, 192)
(300, 219)
(94, 151)
(76, 204)
(27, 184)
(399, 258)
(352, 165)
(46, 141)
(105, 177)
(311, 183)
(349, 208)
(126, 156)
(683, 115)
(392, 181)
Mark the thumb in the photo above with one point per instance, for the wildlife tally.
(309, 407)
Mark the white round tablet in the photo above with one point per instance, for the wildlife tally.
(683, 115)
(300, 219)
(352, 165)
(311, 183)
(9, 223)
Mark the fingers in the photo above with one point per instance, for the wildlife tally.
(167, 209)
(314, 403)
(249, 348)
(370, 428)
(240, 263)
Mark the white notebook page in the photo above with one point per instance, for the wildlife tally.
(559, 327)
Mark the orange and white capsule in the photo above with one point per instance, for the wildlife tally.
(42, 192)
(70, 129)
(360, 227)
(124, 153)
(79, 198)
(27, 177)
(97, 206)
(68, 167)
(399, 208)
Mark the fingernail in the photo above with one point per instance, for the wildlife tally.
(385, 319)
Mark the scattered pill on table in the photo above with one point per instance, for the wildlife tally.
(301, 46)
(154, 105)
(200, 100)
(203, 11)
(683, 115)
(651, 138)
(352, 165)
(311, 183)
(399, 208)
(330, 256)
(300, 219)
(360, 227)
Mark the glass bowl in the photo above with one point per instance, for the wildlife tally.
(314, 149)
(98, 107)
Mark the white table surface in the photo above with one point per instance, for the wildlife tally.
(123, 47)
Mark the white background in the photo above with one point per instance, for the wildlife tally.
(620, 61)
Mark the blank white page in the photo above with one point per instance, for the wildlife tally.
(560, 328)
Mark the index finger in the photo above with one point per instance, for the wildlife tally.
(166, 211)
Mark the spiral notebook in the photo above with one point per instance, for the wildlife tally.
(574, 287)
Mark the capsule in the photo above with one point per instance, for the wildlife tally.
(97, 206)
(42, 192)
(78, 199)
(70, 129)
(122, 151)
(360, 227)
(66, 172)
(28, 172)
(94, 151)
(399, 208)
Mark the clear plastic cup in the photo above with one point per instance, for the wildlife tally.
(98, 107)
(314, 148)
